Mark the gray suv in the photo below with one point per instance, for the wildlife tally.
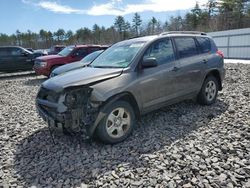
(131, 78)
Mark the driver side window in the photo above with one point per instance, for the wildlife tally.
(16, 51)
(81, 52)
(162, 51)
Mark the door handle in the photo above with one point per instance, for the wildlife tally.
(205, 61)
(175, 69)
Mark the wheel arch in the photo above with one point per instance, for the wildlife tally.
(125, 96)
(216, 74)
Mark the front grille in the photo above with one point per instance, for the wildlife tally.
(47, 94)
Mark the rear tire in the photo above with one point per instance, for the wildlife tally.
(117, 124)
(209, 91)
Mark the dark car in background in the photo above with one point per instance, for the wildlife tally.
(15, 58)
(132, 78)
(56, 49)
(76, 65)
(46, 64)
(30, 49)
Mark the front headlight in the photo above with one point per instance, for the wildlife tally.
(77, 97)
(52, 75)
(42, 64)
(39, 63)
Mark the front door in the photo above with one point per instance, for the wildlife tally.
(78, 54)
(157, 84)
(20, 59)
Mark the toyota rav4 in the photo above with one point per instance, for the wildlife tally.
(131, 78)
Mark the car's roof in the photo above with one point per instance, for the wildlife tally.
(143, 39)
(11, 47)
(59, 45)
(185, 35)
(86, 45)
(168, 34)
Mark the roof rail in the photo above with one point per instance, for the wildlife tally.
(183, 32)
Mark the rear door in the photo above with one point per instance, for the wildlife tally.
(157, 84)
(209, 56)
(191, 67)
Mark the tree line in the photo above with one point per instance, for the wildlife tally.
(215, 15)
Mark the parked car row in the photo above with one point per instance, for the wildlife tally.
(56, 49)
(76, 65)
(130, 78)
(44, 65)
(15, 58)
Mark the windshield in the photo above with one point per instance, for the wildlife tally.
(66, 51)
(89, 58)
(27, 51)
(119, 55)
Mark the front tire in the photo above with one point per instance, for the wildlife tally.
(117, 124)
(209, 91)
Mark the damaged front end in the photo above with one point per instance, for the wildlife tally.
(69, 111)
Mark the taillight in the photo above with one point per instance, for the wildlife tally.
(220, 53)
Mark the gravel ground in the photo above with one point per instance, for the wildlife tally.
(183, 145)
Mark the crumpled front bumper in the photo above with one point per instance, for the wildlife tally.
(48, 111)
(66, 120)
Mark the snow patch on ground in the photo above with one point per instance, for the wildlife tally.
(236, 61)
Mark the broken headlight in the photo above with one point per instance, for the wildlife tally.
(77, 97)
(71, 99)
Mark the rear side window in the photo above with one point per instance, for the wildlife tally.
(205, 44)
(93, 49)
(81, 52)
(162, 51)
(186, 47)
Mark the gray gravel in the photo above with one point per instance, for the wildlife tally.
(183, 145)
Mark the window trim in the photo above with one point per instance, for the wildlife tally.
(158, 40)
(77, 49)
(199, 45)
(177, 50)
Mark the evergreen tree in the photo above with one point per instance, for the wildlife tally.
(136, 24)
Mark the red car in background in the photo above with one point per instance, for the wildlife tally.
(56, 49)
(46, 64)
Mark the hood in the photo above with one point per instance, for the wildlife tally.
(49, 57)
(78, 77)
(68, 67)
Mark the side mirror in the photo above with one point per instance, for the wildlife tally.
(149, 62)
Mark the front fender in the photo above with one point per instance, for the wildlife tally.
(103, 112)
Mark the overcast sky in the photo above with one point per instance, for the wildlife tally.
(74, 14)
